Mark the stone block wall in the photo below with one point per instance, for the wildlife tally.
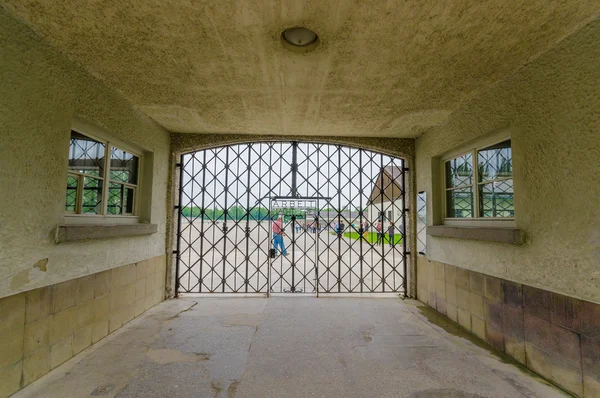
(556, 336)
(42, 328)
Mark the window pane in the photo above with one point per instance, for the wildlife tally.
(459, 203)
(496, 199)
(495, 161)
(86, 155)
(459, 171)
(128, 200)
(92, 196)
(123, 166)
(71, 200)
(120, 199)
(115, 193)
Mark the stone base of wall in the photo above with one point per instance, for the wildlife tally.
(556, 336)
(43, 328)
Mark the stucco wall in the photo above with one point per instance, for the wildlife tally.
(551, 107)
(41, 91)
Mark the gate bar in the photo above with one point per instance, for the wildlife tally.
(178, 250)
(202, 214)
(404, 209)
(294, 169)
(225, 231)
(247, 228)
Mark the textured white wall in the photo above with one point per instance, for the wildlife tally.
(552, 107)
(41, 91)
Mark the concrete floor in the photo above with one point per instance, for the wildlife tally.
(288, 347)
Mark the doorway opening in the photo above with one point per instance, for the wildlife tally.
(291, 217)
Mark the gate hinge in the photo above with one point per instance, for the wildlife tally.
(178, 164)
(407, 209)
(175, 252)
(405, 169)
(176, 207)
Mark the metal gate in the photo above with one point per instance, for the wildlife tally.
(342, 211)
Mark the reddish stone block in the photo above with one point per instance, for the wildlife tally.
(513, 321)
(494, 336)
(493, 289)
(512, 294)
(566, 345)
(536, 302)
(537, 332)
(565, 311)
(590, 320)
(515, 347)
(590, 353)
(538, 360)
(494, 313)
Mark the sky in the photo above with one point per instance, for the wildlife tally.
(322, 170)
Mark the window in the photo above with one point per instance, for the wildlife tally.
(484, 191)
(102, 178)
(122, 181)
(422, 222)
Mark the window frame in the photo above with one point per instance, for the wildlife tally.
(76, 217)
(473, 150)
(135, 187)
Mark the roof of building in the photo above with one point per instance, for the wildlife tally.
(390, 179)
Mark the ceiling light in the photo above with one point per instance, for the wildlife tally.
(299, 39)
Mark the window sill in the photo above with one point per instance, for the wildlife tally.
(512, 236)
(74, 233)
(96, 219)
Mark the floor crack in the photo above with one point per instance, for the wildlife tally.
(182, 311)
(256, 329)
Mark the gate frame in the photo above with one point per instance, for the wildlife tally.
(183, 143)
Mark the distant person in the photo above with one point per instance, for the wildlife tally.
(379, 229)
(366, 230)
(341, 227)
(391, 234)
(278, 234)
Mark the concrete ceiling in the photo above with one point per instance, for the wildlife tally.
(383, 68)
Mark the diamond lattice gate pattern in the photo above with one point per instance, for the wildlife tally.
(291, 217)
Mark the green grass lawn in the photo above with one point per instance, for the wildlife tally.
(372, 237)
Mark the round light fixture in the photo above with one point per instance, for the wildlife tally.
(299, 39)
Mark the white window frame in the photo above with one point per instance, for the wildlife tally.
(99, 135)
(477, 219)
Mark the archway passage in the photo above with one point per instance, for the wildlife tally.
(293, 217)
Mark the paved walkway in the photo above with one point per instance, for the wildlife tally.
(288, 347)
(212, 259)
